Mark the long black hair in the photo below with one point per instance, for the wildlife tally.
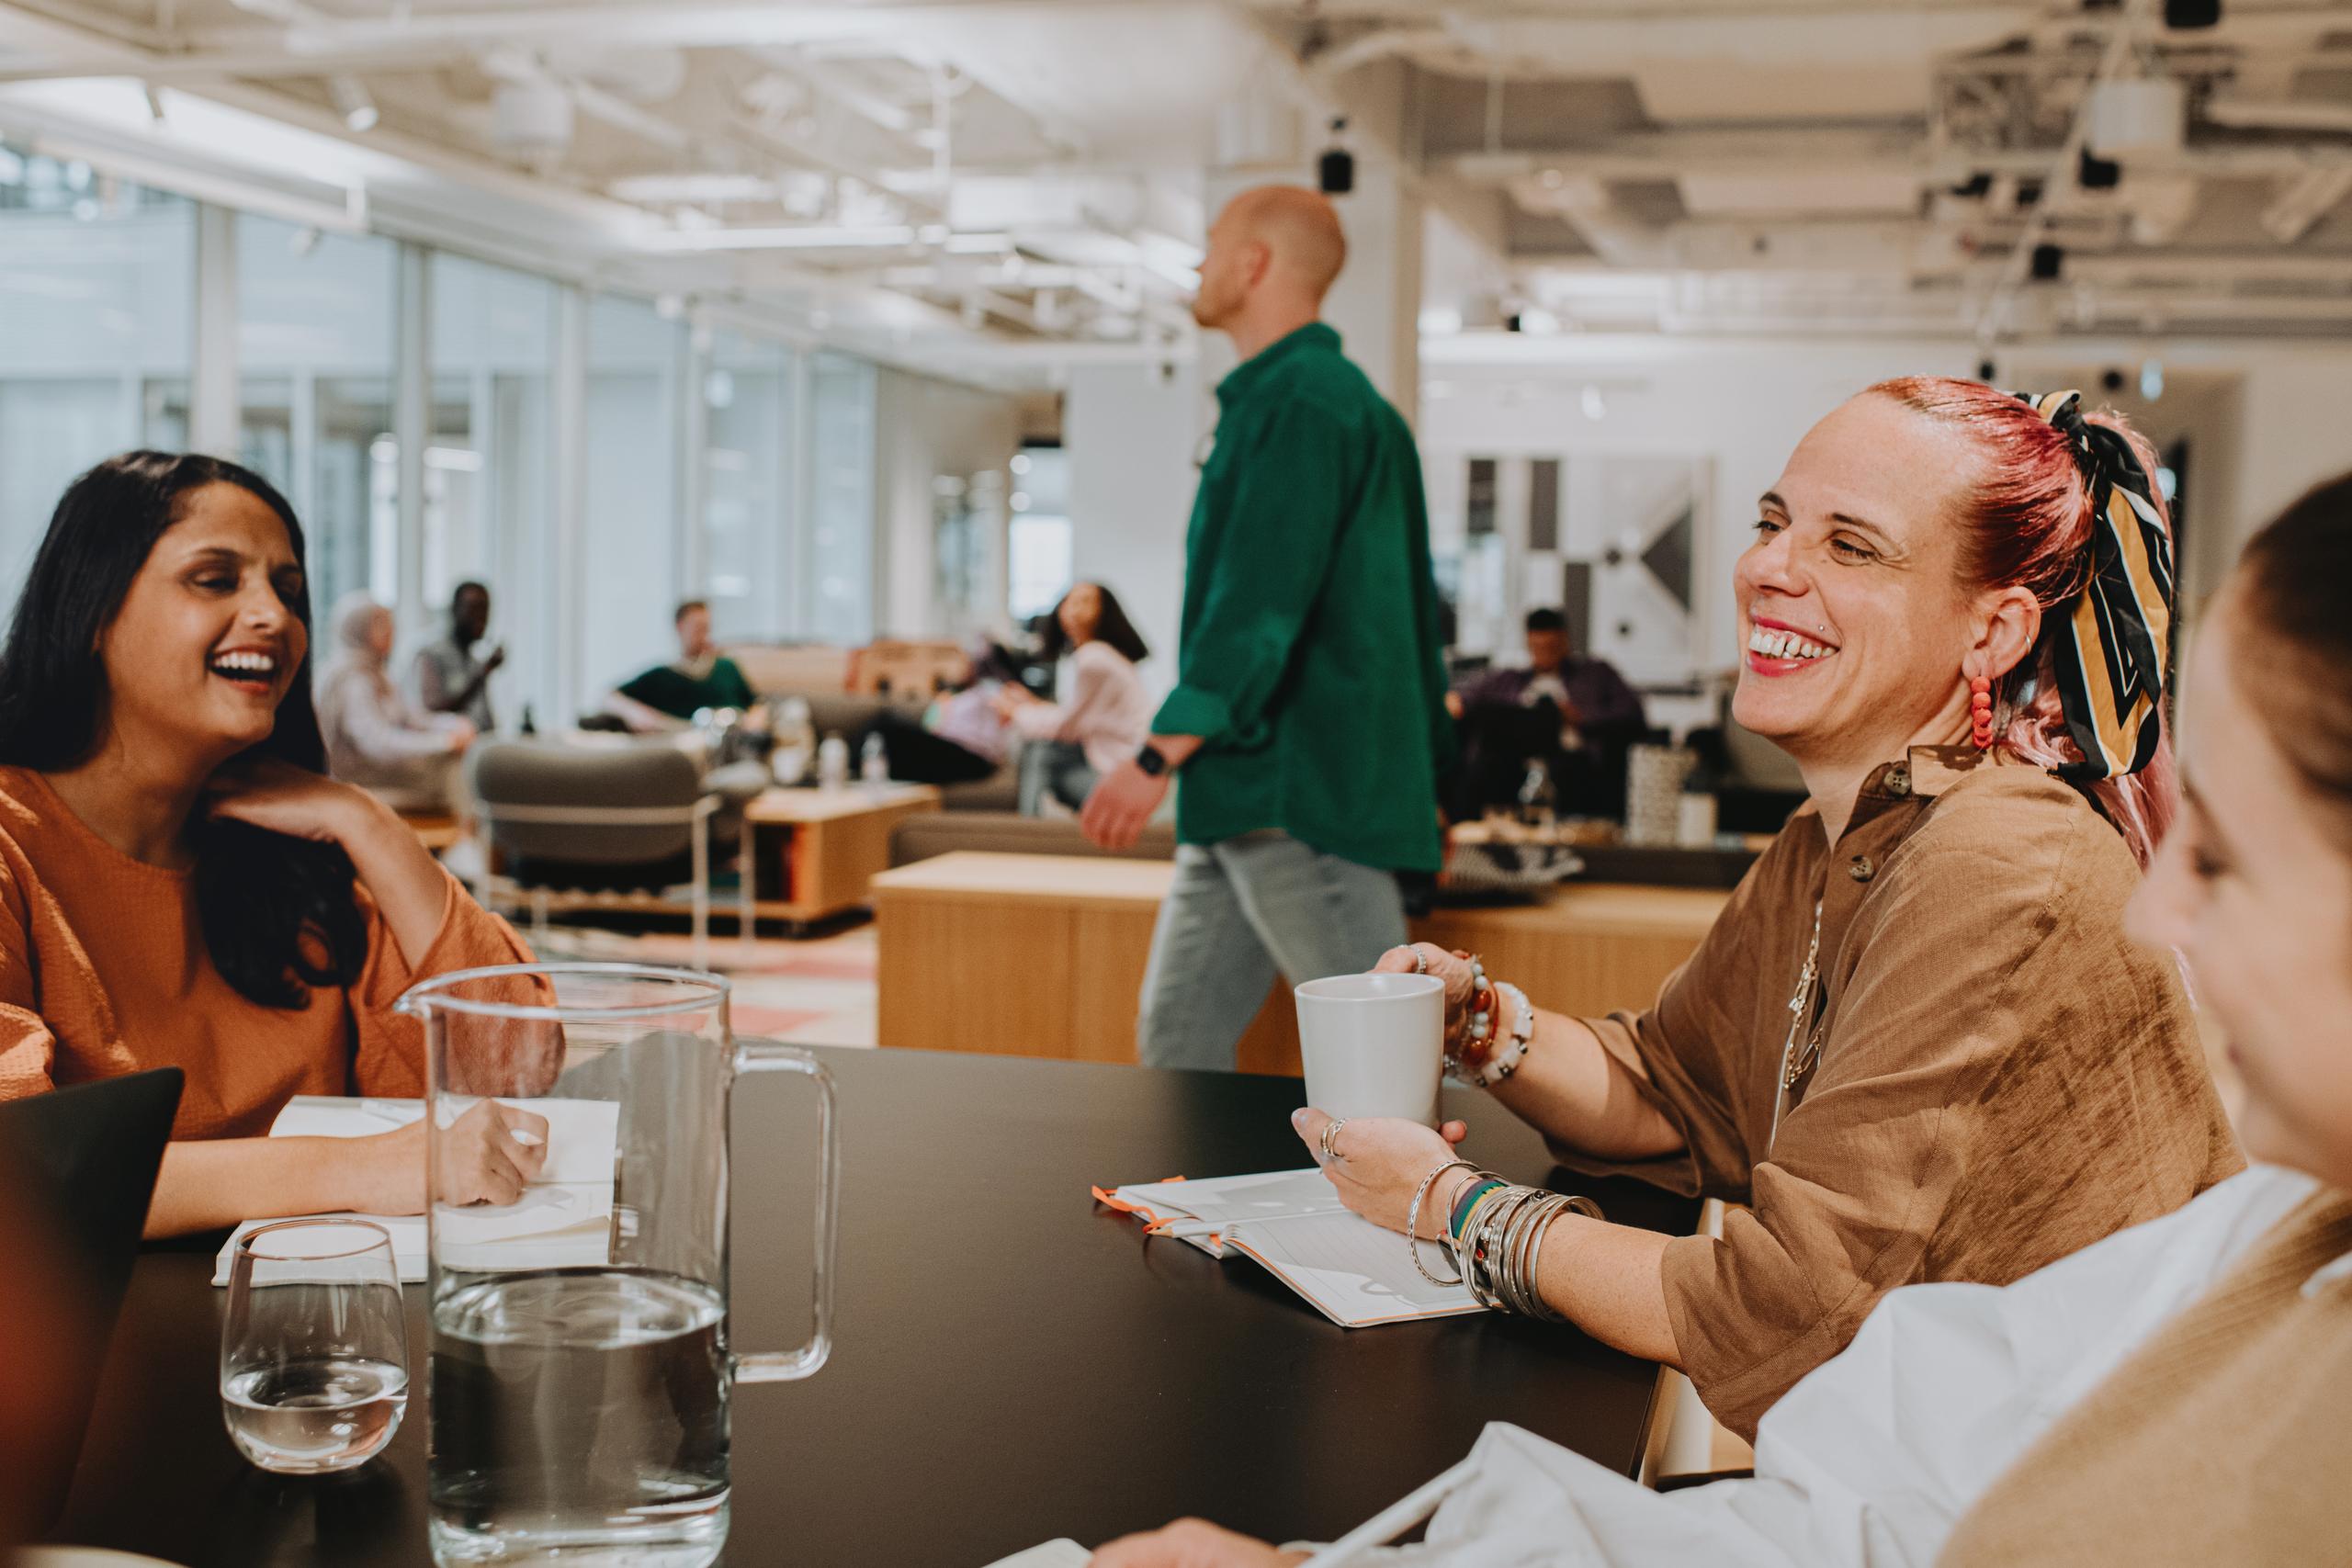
(1112, 627)
(279, 914)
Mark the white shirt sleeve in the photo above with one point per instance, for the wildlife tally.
(1870, 1460)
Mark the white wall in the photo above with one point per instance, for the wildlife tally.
(924, 429)
(1743, 404)
(1131, 434)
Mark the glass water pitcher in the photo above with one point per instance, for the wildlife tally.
(582, 1369)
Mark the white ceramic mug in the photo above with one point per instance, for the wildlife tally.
(1373, 1045)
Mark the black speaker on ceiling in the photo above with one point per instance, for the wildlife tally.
(2094, 173)
(2048, 262)
(1336, 170)
(2186, 13)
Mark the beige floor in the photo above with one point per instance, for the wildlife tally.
(815, 991)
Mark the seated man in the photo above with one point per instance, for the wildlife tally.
(1589, 692)
(1599, 716)
(668, 695)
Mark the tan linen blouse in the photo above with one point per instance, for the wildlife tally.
(2226, 1438)
(2003, 1079)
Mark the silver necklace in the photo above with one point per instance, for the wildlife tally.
(1795, 1060)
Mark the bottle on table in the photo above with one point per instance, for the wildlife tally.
(874, 762)
(832, 763)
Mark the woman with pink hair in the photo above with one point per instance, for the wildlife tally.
(1917, 1045)
(2173, 1393)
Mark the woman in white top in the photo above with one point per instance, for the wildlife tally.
(2175, 1394)
(1107, 714)
(376, 737)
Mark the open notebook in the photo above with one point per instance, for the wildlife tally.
(1355, 1273)
(564, 1219)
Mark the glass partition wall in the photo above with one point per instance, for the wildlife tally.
(97, 325)
(592, 482)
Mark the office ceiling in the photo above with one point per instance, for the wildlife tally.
(1024, 178)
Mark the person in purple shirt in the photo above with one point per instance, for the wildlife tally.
(1591, 697)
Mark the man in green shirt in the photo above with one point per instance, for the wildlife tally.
(702, 677)
(1309, 718)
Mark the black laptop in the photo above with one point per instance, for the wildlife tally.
(82, 1159)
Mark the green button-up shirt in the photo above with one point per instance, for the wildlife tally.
(1310, 665)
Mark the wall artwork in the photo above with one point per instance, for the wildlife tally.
(1613, 541)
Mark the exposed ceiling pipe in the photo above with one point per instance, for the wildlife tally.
(2305, 200)
(2001, 301)
(2280, 114)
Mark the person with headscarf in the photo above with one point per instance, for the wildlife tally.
(376, 737)
(1916, 1047)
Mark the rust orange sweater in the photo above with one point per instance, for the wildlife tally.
(103, 970)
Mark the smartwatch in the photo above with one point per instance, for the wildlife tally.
(1151, 762)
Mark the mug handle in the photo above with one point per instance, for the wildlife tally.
(785, 1366)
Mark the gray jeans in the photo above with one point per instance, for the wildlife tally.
(1240, 910)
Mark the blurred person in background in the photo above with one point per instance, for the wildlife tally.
(450, 678)
(376, 737)
(1102, 721)
(668, 695)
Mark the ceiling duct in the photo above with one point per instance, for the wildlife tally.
(2146, 115)
(530, 120)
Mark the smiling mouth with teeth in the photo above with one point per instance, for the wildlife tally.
(244, 666)
(1770, 644)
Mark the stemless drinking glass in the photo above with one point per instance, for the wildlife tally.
(314, 1353)
(581, 1370)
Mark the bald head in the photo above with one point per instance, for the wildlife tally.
(1300, 227)
(1274, 250)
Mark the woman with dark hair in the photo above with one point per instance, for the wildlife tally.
(2173, 1393)
(1107, 715)
(180, 885)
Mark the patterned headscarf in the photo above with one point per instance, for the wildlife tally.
(2115, 647)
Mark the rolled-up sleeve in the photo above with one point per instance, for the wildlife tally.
(27, 1048)
(1274, 551)
(1686, 1054)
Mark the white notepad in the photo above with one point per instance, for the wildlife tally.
(563, 1219)
(1293, 1222)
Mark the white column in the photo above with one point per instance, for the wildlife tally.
(214, 407)
(694, 437)
(1131, 434)
(563, 649)
(413, 426)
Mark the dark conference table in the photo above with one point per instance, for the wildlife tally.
(1013, 1363)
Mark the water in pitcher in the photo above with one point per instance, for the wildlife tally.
(580, 1416)
(308, 1416)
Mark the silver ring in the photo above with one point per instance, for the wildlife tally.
(1420, 962)
(1330, 1139)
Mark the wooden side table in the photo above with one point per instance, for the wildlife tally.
(832, 843)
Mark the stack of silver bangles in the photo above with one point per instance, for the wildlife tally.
(1501, 1239)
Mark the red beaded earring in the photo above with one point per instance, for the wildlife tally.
(1980, 711)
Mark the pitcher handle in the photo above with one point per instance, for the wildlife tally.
(785, 1366)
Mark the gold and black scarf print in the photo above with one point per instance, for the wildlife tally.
(2114, 646)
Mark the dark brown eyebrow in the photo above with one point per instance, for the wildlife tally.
(1771, 497)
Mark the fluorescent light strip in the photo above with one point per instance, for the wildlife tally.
(809, 238)
(821, 237)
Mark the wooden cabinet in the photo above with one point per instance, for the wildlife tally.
(1043, 956)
